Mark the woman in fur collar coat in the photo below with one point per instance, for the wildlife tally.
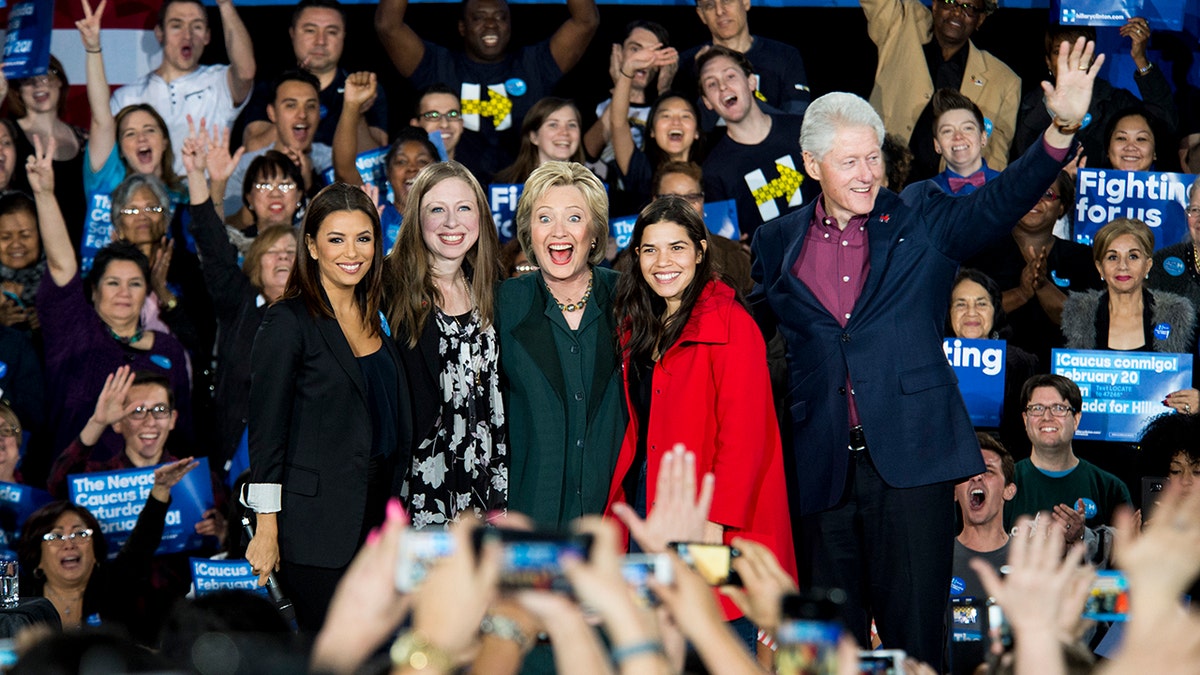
(1128, 316)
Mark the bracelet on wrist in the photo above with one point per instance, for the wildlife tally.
(626, 75)
(1149, 67)
(93, 51)
(506, 629)
(647, 647)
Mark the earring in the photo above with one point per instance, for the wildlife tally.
(38, 573)
(593, 244)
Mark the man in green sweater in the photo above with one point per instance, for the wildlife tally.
(1073, 491)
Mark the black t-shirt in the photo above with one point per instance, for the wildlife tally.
(495, 96)
(331, 97)
(759, 176)
(782, 80)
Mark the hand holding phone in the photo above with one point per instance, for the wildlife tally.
(713, 562)
(531, 559)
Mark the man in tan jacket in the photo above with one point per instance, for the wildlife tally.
(921, 50)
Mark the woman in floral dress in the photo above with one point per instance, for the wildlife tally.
(441, 277)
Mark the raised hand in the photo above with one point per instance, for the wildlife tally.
(39, 167)
(168, 475)
(111, 406)
(195, 148)
(360, 89)
(159, 268)
(678, 513)
(1071, 92)
(1137, 30)
(89, 25)
(220, 163)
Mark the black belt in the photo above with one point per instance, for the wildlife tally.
(858, 441)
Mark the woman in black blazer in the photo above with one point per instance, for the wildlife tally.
(329, 420)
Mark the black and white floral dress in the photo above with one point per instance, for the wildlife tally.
(461, 466)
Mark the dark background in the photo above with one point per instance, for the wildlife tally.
(837, 53)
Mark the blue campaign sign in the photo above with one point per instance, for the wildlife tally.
(721, 218)
(117, 497)
(979, 365)
(1096, 12)
(97, 228)
(1160, 14)
(17, 502)
(503, 198)
(1157, 199)
(210, 576)
(621, 229)
(27, 41)
(1121, 391)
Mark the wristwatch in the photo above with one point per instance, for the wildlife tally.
(413, 650)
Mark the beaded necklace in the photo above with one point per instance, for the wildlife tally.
(576, 306)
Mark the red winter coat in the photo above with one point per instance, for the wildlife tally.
(712, 393)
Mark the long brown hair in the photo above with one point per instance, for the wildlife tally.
(527, 155)
(411, 292)
(305, 280)
(637, 307)
(167, 162)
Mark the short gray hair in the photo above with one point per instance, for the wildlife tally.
(831, 112)
(1191, 193)
(134, 182)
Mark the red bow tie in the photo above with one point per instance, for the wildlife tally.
(975, 179)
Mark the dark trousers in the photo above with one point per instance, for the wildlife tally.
(891, 551)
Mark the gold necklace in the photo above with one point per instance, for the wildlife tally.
(576, 306)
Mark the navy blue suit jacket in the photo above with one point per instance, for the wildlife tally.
(914, 419)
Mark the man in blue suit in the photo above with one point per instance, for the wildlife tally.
(858, 283)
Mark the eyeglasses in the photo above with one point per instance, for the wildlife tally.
(283, 187)
(969, 10)
(281, 252)
(9, 431)
(58, 537)
(1192, 211)
(52, 77)
(691, 196)
(1050, 195)
(145, 209)
(160, 412)
(710, 5)
(1058, 410)
(433, 115)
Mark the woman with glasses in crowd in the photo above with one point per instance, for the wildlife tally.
(37, 104)
(64, 556)
(84, 343)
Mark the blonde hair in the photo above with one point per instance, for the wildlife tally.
(565, 174)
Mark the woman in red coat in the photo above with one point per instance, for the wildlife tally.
(695, 369)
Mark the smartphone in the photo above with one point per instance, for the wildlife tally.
(14, 298)
(1152, 487)
(712, 561)
(1108, 598)
(419, 551)
(881, 661)
(531, 559)
(1000, 637)
(639, 568)
(809, 633)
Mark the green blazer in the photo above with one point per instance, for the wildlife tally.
(554, 478)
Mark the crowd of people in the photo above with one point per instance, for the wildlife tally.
(257, 269)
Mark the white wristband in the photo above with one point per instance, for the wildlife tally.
(262, 497)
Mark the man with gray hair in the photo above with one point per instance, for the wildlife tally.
(857, 281)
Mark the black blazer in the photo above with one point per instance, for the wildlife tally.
(310, 430)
